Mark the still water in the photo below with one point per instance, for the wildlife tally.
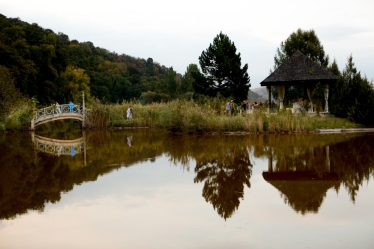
(150, 189)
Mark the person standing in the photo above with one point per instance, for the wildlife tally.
(71, 106)
(130, 140)
(227, 107)
(129, 112)
(232, 107)
(58, 109)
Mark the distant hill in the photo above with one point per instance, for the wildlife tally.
(261, 91)
(51, 67)
(253, 95)
(257, 94)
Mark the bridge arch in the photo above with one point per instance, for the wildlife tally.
(59, 112)
(59, 147)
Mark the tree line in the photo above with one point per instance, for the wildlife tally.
(50, 67)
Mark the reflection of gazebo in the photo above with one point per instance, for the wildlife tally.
(298, 70)
(304, 196)
(304, 191)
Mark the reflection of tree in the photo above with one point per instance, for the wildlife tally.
(353, 161)
(30, 179)
(224, 179)
(304, 172)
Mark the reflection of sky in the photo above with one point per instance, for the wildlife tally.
(156, 205)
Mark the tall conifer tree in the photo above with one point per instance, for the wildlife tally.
(221, 71)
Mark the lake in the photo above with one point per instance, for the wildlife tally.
(146, 188)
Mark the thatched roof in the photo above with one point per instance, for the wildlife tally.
(307, 175)
(304, 196)
(304, 191)
(299, 69)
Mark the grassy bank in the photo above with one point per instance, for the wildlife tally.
(205, 116)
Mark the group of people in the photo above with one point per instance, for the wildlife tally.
(230, 107)
(245, 106)
(256, 105)
(70, 106)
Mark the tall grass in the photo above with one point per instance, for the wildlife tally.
(201, 115)
(20, 118)
(205, 115)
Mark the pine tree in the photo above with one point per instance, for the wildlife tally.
(221, 71)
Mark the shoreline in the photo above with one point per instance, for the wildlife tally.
(316, 131)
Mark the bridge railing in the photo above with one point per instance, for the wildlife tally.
(60, 109)
(59, 149)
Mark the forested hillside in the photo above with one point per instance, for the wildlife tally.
(51, 67)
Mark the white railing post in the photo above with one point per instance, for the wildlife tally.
(83, 111)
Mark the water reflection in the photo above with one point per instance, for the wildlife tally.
(302, 177)
(301, 167)
(59, 147)
(303, 171)
(224, 178)
(222, 163)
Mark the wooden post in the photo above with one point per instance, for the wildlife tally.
(84, 148)
(328, 166)
(326, 98)
(270, 162)
(32, 123)
(83, 112)
(268, 89)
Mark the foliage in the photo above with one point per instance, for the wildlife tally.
(75, 81)
(20, 119)
(10, 97)
(52, 67)
(188, 79)
(318, 97)
(150, 97)
(221, 71)
(306, 42)
(354, 97)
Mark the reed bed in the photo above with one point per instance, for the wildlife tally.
(205, 117)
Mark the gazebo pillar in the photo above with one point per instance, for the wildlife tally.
(310, 99)
(281, 91)
(268, 90)
(328, 166)
(270, 162)
(326, 98)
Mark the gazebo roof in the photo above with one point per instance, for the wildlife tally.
(304, 196)
(304, 191)
(299, 69)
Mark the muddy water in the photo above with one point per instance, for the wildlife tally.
(150, 189)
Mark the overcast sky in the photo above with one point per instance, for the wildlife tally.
(174, 33)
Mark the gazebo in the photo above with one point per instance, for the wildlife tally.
(304, 192)
(299, 70)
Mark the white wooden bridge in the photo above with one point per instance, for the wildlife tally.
(59, 147)
(59, 112)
